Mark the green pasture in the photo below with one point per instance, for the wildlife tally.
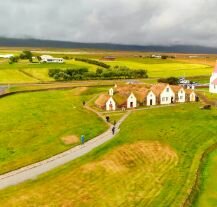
(167, 69)
(208, 191)
(33, 125)
(151, 162)
(26, 72)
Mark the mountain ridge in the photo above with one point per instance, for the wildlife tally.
(13, 42)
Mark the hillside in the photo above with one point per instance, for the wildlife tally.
(10, 42)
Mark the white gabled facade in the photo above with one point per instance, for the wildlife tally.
(111, 92)
(50, 59)
(151, 99)
(181, 96)
(131, 101)
(192, 96)
(110, 105)
(167, 96)
(213, 81)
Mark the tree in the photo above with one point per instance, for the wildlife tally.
(170, 80)
(13, 59)
(26, 55)
(99, 71)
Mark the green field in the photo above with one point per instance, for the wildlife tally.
(151, 165)
(25, 72)
(208, 191)
(34, 125)
(167, 69)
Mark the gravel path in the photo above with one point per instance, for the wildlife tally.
(36, 169)
(32, 171)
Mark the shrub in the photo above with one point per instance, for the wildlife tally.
(93, 62)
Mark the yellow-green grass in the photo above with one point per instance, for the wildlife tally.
(208, 191)
(167, 69)
(151, 162)
(25, 72)
(32, 125)
(15, 76)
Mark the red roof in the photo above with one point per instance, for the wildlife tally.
(215, 81)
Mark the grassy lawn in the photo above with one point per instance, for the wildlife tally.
(208, 96)
(34, 72)
(35, 126)
(208, 191)
(15, 76)
(166, 69)
(25, 72)
(151, 162)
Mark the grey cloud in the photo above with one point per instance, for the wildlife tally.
(118, 21)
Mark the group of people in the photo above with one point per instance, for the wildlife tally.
(113, 128)
(82, 138)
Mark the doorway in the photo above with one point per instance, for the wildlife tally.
(131, 104)
(172, 100)
(151, 102)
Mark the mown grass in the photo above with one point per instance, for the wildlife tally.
(151, 162)
(33, 124)
(208, 192)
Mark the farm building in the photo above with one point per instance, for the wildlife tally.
(213, 81)
(7, 56)
(50, 59)
(109, 58)
(132, 96)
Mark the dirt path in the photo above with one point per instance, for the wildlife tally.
(36, 169)
(32, 171)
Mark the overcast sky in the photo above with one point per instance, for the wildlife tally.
(142, 22)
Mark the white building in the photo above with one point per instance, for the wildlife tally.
(7, 56)
(191, 95)
(131, 101)
(164, 93)
(110, 105)
(151, 99)
(213, 81)
(180, 93)
(50, 59)
(167, 96)
(133, 96)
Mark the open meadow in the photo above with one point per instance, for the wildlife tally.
(35, 126)
(151, 165)
(25, 72)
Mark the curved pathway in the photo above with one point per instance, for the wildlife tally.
(32, 171)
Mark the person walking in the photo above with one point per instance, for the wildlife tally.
(82, 139)
(113, 130)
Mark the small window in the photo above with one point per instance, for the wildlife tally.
(167, 99)
(168, 89)
(180, 97)
(163, 99)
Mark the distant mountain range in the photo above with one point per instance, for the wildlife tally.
(11, 42)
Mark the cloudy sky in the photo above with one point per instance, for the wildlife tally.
(142, 22)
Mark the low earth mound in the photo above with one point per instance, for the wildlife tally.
(128, 175)
(70, 139)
